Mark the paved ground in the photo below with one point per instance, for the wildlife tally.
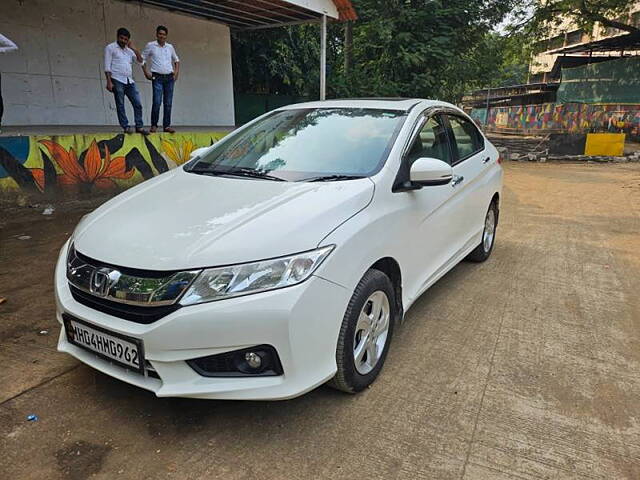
(525, 367)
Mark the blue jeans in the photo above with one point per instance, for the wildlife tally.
(1, 102)
(120, 90)
(162, 93)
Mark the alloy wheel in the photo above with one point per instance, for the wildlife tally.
(371, 332)
(489, 230)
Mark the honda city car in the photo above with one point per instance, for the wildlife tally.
(283, 256)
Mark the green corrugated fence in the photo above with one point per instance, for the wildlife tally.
(251, 105)
(612, 82)
(479, 114)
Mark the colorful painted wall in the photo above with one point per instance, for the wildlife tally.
(88, 164)
(569, 117)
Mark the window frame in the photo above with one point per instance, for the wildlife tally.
(402, 180)
(424, 117)
(454, 143)
(443, 121)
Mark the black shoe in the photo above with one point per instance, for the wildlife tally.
(142, 131)
(128, 129)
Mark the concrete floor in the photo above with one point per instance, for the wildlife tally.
(524, 367)
(14, 131)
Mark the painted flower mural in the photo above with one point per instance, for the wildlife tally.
(177, 151)
(18, 148)
(97, 170)
(85, 164)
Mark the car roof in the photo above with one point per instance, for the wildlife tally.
(401, 104)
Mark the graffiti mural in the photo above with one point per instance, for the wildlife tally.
(569, 117)
(73, 164)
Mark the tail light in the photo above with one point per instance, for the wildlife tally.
(499, 160)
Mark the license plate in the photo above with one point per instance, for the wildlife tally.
(126, 351)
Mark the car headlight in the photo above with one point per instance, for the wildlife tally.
(236, 280)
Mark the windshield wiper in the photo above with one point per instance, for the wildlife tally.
(238, 172)
(250, 172)
(331, 178)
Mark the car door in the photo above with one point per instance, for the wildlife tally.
(470, 163)
(434, 220)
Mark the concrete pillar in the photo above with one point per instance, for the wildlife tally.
(323, 58)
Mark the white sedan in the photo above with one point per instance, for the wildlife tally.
(284, 256)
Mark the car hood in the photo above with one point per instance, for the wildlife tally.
(181, 220)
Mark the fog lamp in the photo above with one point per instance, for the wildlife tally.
(253, 360)
(258, 361)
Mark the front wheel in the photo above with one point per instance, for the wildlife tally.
(365, 334)
(483, 251)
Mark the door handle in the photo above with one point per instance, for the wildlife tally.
(486, 160)
(457, 179)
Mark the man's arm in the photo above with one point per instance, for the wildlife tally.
(7, 45)
(147, 73)
(176, 64)
(107, 67)
(139, 58)
(176, 71)
(146, 53)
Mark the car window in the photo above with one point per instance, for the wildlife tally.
(431, 142)
(467, 138)
(300, 143)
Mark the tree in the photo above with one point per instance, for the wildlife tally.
(512, 54)
(411, 48)
(422, 48)
(279, 61)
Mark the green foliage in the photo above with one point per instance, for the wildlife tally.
(281, 60)
(507, 60)
(401, 48)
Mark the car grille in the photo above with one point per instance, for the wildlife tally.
(133, 313)
(143, 288)
(124, 299)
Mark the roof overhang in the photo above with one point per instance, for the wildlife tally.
(257, 14)
(629, 42)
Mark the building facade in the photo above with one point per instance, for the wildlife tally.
(567, 34)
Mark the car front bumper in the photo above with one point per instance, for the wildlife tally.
(301, 322)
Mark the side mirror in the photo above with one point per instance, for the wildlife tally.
(430, 171)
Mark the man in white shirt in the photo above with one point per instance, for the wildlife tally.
(118, 57)
(162, 67)
(6, 46)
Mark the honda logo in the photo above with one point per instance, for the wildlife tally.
(100, 282)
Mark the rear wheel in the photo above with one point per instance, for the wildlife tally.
(367, 328)
(483, 251)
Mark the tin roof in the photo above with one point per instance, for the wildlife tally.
(255, 14)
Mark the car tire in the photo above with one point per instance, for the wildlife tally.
(358, 369)
(484, 249)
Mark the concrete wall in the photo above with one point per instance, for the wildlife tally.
(57, 76)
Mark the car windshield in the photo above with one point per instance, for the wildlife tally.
(310, 144)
